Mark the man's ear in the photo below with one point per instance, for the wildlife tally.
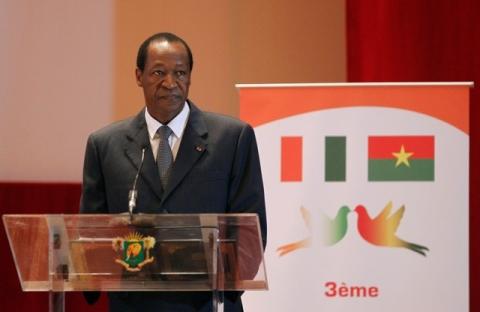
(138, 76)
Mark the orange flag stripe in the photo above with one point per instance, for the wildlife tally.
(291, 161)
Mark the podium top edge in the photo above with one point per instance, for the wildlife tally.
(356, 84)
(136, 214)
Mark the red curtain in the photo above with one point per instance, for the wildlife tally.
(423, 40)
(25, 198)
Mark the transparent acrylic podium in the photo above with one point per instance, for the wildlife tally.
(165, 252)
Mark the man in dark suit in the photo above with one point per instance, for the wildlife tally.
(214, 164)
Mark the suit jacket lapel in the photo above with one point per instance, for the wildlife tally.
(192, 147)
(137, 139)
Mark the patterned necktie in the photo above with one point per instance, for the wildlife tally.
(164, 155)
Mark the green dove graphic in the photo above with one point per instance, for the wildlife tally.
(334, 230)
(331, 230)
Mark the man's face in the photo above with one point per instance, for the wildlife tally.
(165, 79)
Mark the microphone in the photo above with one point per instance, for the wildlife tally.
(132, 194)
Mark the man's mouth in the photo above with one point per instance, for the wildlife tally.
(169, 96)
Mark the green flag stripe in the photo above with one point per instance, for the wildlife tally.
(385, 170)
(335, 158)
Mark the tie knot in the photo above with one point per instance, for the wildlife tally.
(164, 132)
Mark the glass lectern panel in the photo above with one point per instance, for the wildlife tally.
(146, 252)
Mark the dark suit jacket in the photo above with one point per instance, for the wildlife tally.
(217, 170)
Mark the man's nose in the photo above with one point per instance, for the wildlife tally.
(170, 82)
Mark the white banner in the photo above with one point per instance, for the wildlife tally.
(367, 203)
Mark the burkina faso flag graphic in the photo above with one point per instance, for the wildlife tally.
(401, 158)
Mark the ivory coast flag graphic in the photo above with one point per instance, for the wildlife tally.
(401, 158)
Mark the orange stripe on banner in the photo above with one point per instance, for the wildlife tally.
(291, 160)
(448, 103)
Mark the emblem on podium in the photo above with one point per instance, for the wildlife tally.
(135, 251)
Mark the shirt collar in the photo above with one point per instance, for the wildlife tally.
(177, 124)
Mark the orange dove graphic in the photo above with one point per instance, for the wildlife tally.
(304, 243)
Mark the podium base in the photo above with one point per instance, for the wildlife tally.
(56, 301)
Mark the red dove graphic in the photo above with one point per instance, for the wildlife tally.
(381, 230)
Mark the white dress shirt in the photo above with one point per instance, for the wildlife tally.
(177, 125)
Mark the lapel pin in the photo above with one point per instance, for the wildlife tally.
(199, 148)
